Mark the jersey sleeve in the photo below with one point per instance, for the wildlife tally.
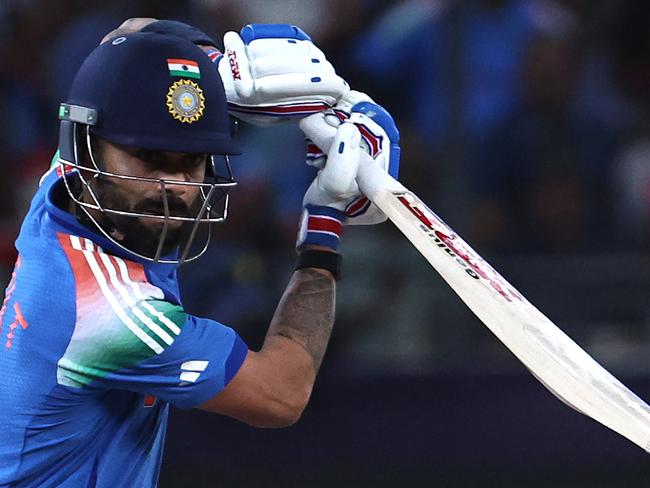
(155, 348)
(130, 335)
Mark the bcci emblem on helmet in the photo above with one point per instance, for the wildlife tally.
(185, 101)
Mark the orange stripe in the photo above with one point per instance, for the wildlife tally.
(182, 61)
(86, 283)
(136, 271)
(83, 275)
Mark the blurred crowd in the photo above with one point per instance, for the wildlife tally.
(525, 123)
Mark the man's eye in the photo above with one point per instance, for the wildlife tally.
(146, 156)
(196, 161)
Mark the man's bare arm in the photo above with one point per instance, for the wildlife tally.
(305, 314)
(273, 386)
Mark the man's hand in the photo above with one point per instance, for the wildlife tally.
(274, 73)
(356, 132)
(271, 72)
(335, 187)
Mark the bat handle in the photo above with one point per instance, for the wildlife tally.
(372, 179)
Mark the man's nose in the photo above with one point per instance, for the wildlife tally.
(174, 182)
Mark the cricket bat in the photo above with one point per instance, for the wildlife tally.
(552, 357)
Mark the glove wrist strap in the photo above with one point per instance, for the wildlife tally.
(320, 226)
(314, 258)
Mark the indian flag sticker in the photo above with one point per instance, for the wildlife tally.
(183, 67)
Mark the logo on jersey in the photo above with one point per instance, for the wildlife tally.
(191, 370)
(19, 319)
(185, 101)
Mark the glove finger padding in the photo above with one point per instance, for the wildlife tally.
(270, 77)
(351, 99)
(281, 89)
(273, 47)
(278, 66)
(237, 69)
(380, 138)
(320, 130)
(325, 201)
(379, 143)
(338, 177)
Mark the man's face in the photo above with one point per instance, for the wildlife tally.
(142, 234)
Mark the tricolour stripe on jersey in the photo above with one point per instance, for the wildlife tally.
(143, 304)
(110, 297)
(124, 273)
(131, 301)
(160, 316)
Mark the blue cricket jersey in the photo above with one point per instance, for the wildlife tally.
(94, 346)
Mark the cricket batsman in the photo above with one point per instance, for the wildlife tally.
(94, 341)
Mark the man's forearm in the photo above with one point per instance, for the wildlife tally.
(305, 314)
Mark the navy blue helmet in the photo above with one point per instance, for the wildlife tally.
(156, 92)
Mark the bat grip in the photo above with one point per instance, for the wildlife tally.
(372, 179)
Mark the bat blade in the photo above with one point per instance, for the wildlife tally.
(552, 357)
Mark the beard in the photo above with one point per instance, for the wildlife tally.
(144, 235)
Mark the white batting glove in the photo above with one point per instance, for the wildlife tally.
(328, 195)
(319, 129)
(379, 143)
(274, 73)
(334, 199)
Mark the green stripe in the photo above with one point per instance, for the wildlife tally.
(173, 312)
(95, 357)
(73, 374)
(186, 74)
(157, 320)
(147, 330)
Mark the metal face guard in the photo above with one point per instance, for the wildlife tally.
(214, 199)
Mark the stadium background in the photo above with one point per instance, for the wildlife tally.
(525, 124)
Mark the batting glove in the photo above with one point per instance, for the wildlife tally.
(274, 73)
(379, 140)
(354, 133)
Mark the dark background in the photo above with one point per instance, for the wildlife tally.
(525, 124)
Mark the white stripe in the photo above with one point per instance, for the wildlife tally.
(153, 326)
(89, 245)
(131, 302)
(190, 377)
(154, 291)
(108, 294)
(160, 316)
(179, 67)
(76, 243)
(326, 232)
(195, 365)
(124, 272)
(116, 283)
